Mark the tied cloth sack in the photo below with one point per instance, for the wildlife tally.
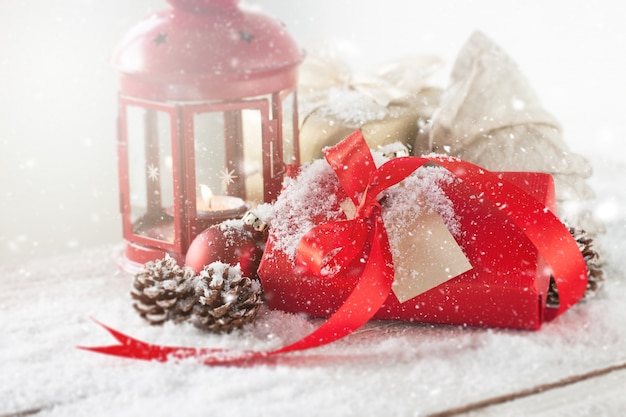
(489, 115)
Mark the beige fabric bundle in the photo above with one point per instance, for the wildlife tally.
(489, 115)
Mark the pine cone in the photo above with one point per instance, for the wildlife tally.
(595, 275)
(225, 299)
(163, 291)
(592, 259)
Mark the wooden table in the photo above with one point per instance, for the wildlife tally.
(575, 363)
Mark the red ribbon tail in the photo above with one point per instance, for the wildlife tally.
(130, 347)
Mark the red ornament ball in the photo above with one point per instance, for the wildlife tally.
(229, 242)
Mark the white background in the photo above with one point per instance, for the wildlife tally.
(58, 178)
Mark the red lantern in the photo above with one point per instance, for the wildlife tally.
(207, 121)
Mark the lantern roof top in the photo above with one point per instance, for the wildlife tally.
(206, 49)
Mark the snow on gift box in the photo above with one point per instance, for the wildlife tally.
(505, 240)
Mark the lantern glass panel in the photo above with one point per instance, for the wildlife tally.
(210, 154)
(228, 154)
(252, 168)
(289, 128)
(150, 176)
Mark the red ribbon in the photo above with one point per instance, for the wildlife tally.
(360, 245)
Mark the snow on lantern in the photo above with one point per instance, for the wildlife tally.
(207, 121)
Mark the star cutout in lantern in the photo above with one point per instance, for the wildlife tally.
(160, 38)
(227, 177)
(153, 172)
(245, 35)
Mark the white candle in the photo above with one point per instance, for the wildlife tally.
(210, 205)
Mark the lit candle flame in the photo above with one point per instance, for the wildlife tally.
(169, 162)
(207, 194)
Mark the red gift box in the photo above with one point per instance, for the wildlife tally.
(506, 287)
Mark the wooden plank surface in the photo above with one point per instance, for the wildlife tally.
(598, 392)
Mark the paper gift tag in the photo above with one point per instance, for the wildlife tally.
(425, 256)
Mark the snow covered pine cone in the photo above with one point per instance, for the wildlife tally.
(595, 275)
(225, 299)
(592, 259)
(163, 291)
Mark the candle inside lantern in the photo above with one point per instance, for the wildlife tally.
(207, 196)
(210, 202)
(212, 209)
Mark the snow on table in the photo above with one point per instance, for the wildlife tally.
(386, 368)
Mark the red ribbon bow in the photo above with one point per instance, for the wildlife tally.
(360, 245)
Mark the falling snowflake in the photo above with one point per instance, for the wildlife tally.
(153, 172)
(227, 177)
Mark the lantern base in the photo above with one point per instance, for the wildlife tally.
(134, 256)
